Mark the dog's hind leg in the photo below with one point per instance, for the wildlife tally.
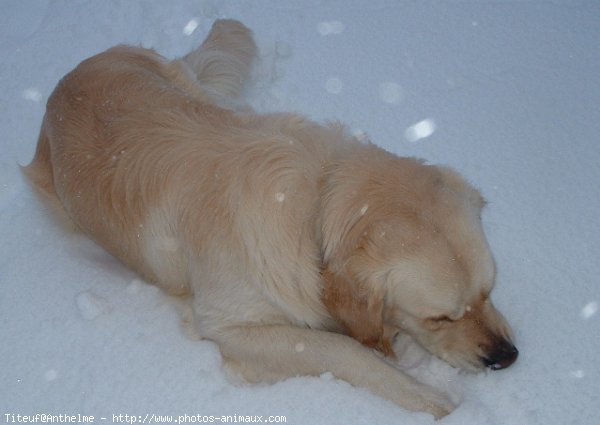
(223, 62)
(40, 175)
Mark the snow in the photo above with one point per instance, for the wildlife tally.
(32, 94)
(334, 85)
(90, 306)
(589, 310)
(420, 130)
(331, 27)
(514, 89)
(190, 27)
(390, 92)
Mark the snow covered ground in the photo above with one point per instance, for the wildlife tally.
(506, 92)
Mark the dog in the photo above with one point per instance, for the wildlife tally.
(303, 249)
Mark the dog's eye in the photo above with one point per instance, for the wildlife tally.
(438, 321)
(442, 319)
(395, 337)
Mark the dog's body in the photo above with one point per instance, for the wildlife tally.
(289, 235)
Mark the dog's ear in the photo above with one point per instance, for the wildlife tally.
(358, 308)
(346, 220)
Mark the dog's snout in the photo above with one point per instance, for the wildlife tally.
(502, 356)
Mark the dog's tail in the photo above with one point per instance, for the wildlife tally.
(223, 62)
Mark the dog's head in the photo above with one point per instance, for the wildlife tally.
(404, 249)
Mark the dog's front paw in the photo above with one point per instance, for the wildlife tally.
(438, 405)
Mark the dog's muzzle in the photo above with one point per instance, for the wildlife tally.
(502, 356)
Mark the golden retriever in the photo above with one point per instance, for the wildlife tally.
(304, 250)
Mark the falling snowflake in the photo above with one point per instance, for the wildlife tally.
(420, 130)
(589, 310)
(577, 374)
(331, 27)
(91, 306)
(190, 27)
(361, 135)
(390, 92)
(334, 85)
(32, 94)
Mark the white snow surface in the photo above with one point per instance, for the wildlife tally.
(514, 91)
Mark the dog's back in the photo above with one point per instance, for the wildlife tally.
(140, 156)
(116, 130)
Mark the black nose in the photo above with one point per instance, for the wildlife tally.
(502, 356)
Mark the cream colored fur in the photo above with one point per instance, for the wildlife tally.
(304, 250)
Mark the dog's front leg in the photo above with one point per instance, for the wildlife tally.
(275, 352)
